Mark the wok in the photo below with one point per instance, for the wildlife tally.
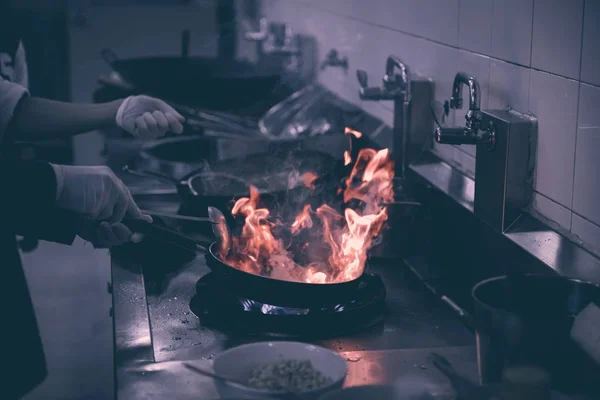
(259, 288)
(206, 82)
(527, 319)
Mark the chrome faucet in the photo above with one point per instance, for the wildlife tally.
(333, 59)
(275, 38)
(472, 133)
(397, 87)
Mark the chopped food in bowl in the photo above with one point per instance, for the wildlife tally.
(287, 375)
(276, 368)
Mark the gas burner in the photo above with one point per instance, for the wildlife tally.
(216, 306)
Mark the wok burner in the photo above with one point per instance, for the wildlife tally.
(216, 306)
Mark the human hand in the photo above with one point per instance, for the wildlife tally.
(148, 118)
(100, 199)
(104, 235)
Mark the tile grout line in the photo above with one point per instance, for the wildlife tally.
(530, 58)
(492, 33)
(532, 22)
(566, 208)
(446, 44)
(578, 113)
(458, 25)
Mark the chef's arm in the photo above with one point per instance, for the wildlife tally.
(26, 118)
(27, 203)
(41, 119)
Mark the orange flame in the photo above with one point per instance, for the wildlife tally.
(303, 220)
(309, 179)
(347, 237)
(349, 131)
(347, 158)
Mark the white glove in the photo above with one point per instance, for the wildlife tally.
(148, 118)
(101, 199)
(105, 235)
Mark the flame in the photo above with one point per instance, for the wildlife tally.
(309, 179)
(335, 243)
(347, 158)
(349, 131)
(303, 220)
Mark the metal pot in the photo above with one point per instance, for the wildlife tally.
(527, 319)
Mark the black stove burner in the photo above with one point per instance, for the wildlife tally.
(227, 311)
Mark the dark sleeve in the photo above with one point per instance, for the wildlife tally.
(27, 202)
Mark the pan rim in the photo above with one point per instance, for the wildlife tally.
(334, 284)
(486, 306)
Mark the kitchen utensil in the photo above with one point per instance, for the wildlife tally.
(207, 82)
(202, 189)
(259, 288)
(244, 386)
(275, 291)
(163, 234)
(532, 328)
(197, 119)
(306, 113)
(221, 232)
(465, 389)
(278, 178)
(239, 362)
(179, 217)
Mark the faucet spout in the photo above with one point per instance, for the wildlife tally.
(390, 79)
(456, 101)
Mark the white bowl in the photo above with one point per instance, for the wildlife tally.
(378, 392)
(237, 363)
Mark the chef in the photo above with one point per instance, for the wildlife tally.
(55, 202)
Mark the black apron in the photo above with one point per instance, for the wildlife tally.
(22, 352)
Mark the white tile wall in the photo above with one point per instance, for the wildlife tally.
(587, 232)
(522, 52)
(555, 105)
(552, 211)
(511, 30)
(509, 86)
(556, 45)
(586, 194)
(475, 28)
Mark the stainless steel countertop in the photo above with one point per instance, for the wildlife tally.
(148, 358)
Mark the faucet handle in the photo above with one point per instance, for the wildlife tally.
(262, 33)
(453, 135)
(363, 78)
(456, 103)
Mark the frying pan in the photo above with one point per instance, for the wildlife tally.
(222, 182)
(207, 82)
(199, 190)
(259, 288)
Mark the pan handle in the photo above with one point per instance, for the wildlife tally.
(150, 175)
(460, 312)
(163, 234)
(109, 56)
